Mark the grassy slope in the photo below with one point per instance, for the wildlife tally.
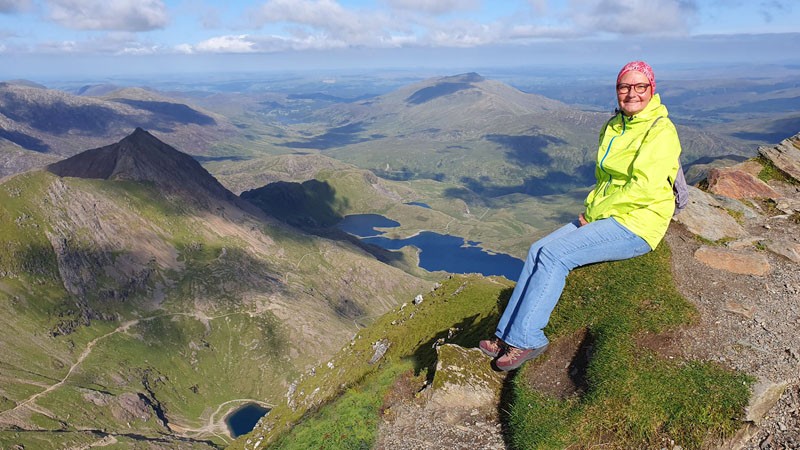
(634, 400)
(215, 312)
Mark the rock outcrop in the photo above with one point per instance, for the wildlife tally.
(736, 197)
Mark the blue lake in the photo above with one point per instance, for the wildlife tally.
(437, 251)
(244, 419)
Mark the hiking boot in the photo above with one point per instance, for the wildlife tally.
(514, 357)
(491, 347)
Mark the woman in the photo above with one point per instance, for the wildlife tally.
(627, 214)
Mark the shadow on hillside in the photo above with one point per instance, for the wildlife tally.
(555, 182)
(313, 207)
(335, 137)
(173, 112)
(429, 93)
(59, 117)
(25, 141)
(774, 133)
(103, 282)
(390, 257)
(526, 149)
(310, 204)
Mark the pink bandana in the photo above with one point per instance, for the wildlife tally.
(639, 66)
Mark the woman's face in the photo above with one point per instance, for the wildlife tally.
(632, 102)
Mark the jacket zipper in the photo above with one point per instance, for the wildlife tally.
(608, 149)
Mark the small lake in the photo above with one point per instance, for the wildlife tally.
(244, 419)
(437, 251)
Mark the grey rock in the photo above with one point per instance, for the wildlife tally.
(785, 156)
(766, 394)
(706, 217)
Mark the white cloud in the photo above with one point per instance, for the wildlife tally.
(123, 15)
(13, 6)
(114, 43)
(434, 6)
(184, 48)
(227, 44)
(631, 17)
(262, 44)
(324, 19)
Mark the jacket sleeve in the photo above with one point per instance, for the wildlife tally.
(655, 162)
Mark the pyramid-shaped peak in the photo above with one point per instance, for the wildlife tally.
(141, 156)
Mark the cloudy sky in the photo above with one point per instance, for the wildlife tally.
(118, 35)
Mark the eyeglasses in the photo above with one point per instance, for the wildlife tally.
(639, 88)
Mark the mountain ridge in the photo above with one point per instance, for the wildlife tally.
(56, 122)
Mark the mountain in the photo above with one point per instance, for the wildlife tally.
(142, 301)
(55, 122)
(485, 136)
(142, 157)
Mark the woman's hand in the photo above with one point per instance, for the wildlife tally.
(582, 219)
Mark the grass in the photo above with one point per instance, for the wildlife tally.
(468, 304)
(350, 423)
(771, 172)
(635, 397)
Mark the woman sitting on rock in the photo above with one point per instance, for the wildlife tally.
(627, 214)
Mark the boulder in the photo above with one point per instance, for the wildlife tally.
(785, 247)
(766, 394)
(738, 184)
(464, 379)
(704, 216)
(733, 261)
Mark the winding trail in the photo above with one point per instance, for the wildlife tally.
(88, 350)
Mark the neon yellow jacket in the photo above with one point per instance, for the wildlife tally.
(637, 162)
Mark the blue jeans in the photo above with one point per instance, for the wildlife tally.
(545, 272)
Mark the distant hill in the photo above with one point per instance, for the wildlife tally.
(490, 138)
(58, 123)
(142, 299)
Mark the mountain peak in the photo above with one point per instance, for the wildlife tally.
(141, 156)
(444, 86)
(140, 135)
(470, 77)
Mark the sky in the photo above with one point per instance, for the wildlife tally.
(108, 37)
